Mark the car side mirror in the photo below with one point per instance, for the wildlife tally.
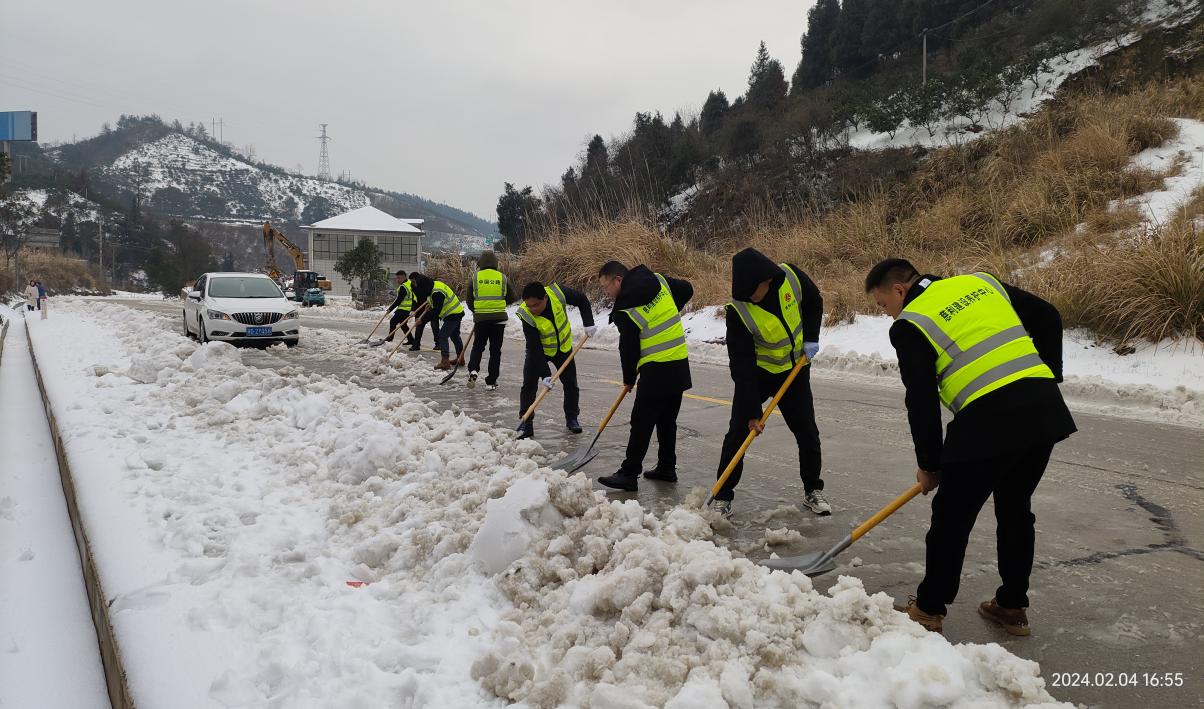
(194, 295)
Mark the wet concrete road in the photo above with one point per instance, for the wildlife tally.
(1118, 589)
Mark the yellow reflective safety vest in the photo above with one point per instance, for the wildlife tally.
(451, 303)
(662, 337)
(406, 291)
(779, 341)
(489, 292)
(555, 333)
(980, 342)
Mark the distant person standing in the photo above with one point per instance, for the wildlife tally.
(488, 297)
(31, 295)
(420, 287)
(43, 300)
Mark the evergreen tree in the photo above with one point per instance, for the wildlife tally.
(364, 263)
(849, 56)
(319, 208)
(882, 29)
(766, 82)
(597, 161)
(514, 210)
(713, 112)
(228, 262)
(815, 66)
(70, 234)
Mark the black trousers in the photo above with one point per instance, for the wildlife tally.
(654, 409)
(449, 331)
(491, 334)
(415, 337)
(394, 320)
(533, 371)
(964, 489)
(798, 408)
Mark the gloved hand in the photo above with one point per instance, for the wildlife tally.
(590, 330)
(811, 349)
(548, 383)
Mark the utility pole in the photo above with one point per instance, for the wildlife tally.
(221, 131)
(324, 155)
(100, 256)
(924, 70)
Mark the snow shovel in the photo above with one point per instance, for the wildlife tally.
(586, 453)
(378, 322)
(405, 331)
(460, 360)
(773, 404)
(535, 404)
(817, 563)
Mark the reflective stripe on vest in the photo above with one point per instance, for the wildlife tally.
(451, 304)
(777, 349)
(407, 302)
(980, 343)
(555, 333)
(489, 292)
(662, 337)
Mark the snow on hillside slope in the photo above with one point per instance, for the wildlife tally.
(229, 506)
(1182, 159)
(212, 183)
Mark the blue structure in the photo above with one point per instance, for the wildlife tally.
(18, 125)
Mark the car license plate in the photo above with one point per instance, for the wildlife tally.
(259, 332)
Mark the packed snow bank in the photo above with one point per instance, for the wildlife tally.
(278, 538)
(47, 640)
(1183, 160)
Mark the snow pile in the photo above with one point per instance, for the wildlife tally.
(271, 537)
(1182, 160)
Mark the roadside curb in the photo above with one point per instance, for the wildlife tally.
(110, 653)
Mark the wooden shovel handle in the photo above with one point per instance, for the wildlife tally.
(413, 314)
(773, 404)
(885, 512)
(378, 322)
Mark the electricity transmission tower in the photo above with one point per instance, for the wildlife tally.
(324, 156)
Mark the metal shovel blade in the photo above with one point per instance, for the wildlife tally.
(813, 564)
(576, 460)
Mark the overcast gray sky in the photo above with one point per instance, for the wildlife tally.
(442, 99)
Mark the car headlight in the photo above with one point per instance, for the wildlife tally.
(215, 315)
(290, 315)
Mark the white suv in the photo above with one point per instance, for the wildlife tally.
(239, 307)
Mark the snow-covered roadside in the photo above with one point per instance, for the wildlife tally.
(231, 505)
(48, 650)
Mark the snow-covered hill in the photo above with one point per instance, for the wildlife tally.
(183, 177)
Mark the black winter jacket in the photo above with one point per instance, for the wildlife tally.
(748, 271)
(573, 297)
(639, 288)
(1028, 410)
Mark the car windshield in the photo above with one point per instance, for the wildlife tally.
(249, 287)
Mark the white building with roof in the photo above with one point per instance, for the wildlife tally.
(399, 240)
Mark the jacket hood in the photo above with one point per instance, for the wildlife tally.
(749, 268)
(639, 288)
(487, 259)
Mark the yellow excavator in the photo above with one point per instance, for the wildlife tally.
(303, 278)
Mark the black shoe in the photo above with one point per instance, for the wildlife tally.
(526, 429)
(415, 348)
(630, 483)
(656, 474)
(573, 425)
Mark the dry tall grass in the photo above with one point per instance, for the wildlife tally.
(58, 273)
(985, 205)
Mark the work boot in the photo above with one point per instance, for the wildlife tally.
(526, 429)
(935, 623)
(472, 380)
(817, 503)
(415, 347)
(619, 481)
(723, 507)
(669, 476)
(572, 424)
(444, 364)
(1014, 621)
